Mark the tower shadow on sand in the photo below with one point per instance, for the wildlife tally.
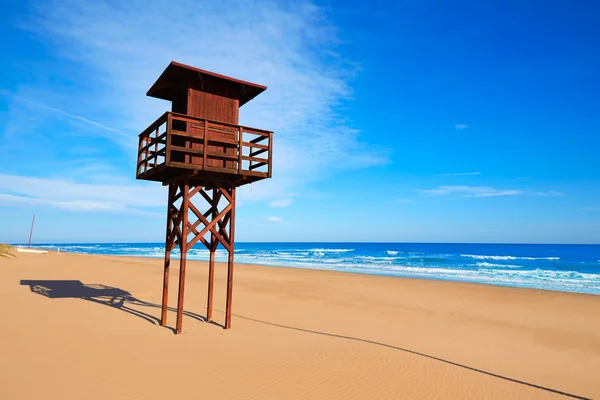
(101, 294)
(123, 300)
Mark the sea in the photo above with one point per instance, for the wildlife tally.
(569, 268)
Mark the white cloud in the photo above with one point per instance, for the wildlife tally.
(75, 205)
(275, 219)
(550, 193)
(289, 47)
(281, 202)
(463, 174)
(68, 115)
(470, 191)
(67, 194)
(460, 127)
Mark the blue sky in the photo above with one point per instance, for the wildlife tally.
(428, 121)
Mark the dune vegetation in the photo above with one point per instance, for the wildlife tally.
(6, 251)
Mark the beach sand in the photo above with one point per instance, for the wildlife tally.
(296, 334)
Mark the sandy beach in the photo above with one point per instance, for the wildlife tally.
(86, 327)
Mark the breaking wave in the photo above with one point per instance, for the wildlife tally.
(481, 257)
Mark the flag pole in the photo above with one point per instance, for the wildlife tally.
(31, 231)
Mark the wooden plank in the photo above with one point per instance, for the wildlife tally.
(258, 139)
(223, 156)
(187, 118)
(254, 173)
(139, 166)
(254, 145)
(156, 140)
(218, 140)
(255, 131)
(168, 138)
(223, 142)
(270, 154)
(187, 151)
(211, 280)
(182, 260)
(184, 165)
(222, 129)
(205, 143)
(185, 134)
(230, 263)
(155, 147)
(261, 164)
(208, 227)
(225, 192)
(161, 120)
(220, 169)
(255, 159)
(153, 156)
(240, 148)
(257, 152)
(170, 236)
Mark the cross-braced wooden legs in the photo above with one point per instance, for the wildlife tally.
(184, 231)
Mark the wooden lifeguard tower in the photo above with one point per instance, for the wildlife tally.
(200, 151)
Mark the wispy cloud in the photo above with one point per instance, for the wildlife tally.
(462, 174)
(550, 193)
(66, 114)
(460, 127)
(470, 191)
(291, 48)
(281, 202)
(275, 219)
(74, 205)
(68, 195)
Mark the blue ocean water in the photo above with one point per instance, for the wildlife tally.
(571, 268)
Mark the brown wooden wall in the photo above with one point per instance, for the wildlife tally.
(210, 106)
(217, 108)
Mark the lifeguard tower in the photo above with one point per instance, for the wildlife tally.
(200, 151)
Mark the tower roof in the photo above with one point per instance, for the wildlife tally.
(177, 77)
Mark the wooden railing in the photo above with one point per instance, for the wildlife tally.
(180, 141)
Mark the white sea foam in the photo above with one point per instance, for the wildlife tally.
(491, 265)
(480, 257)
(391, 252)
(331, 250)
(375, 258)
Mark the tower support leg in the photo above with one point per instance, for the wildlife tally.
(169, 244)
(183, 245)
(186, 226)
(211, 278)
(230, 262)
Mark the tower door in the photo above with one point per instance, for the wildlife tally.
(218, 109)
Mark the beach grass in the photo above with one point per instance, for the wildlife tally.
(6, 251)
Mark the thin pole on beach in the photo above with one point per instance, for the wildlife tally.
(31, 231)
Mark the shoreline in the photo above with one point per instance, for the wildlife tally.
(366, 273)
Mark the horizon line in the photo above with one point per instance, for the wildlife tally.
(326, 242)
